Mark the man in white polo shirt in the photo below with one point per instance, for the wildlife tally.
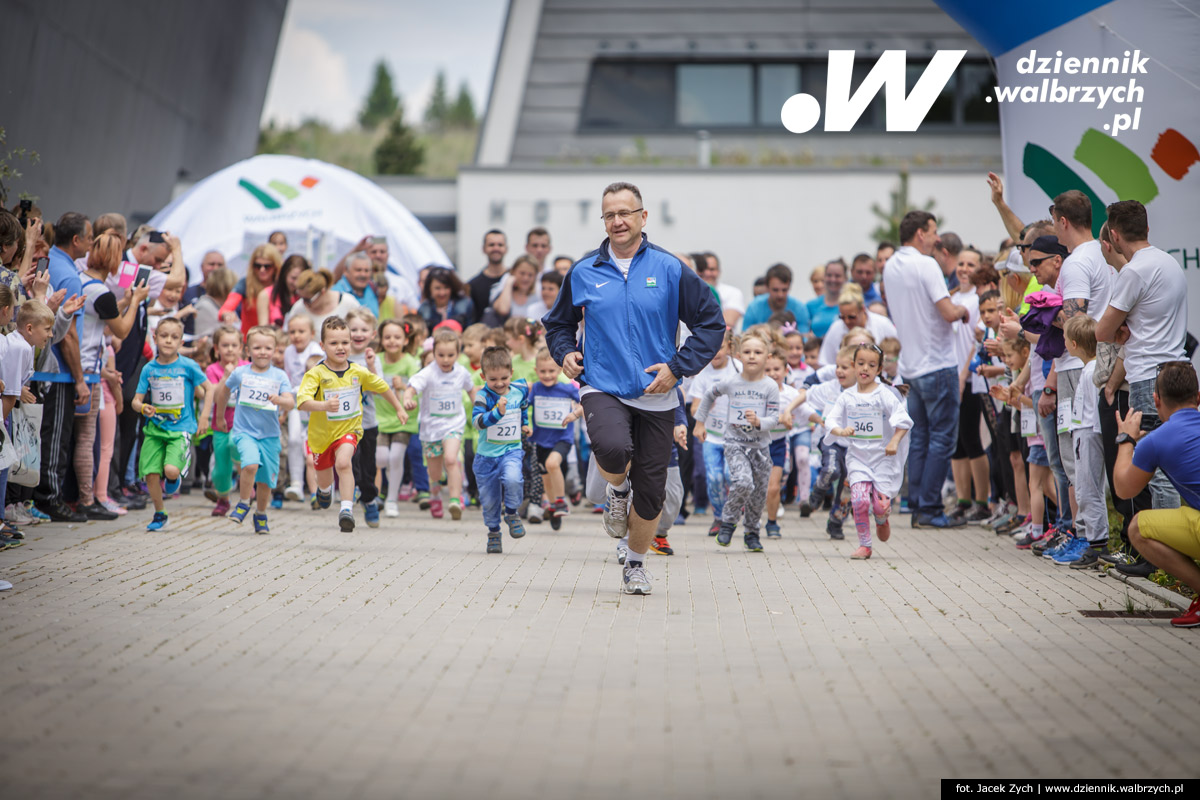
(924, 316)
(1085, 282)
(1150, 298)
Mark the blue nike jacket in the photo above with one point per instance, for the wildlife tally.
(631, 324)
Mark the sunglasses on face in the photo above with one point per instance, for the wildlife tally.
(1037, 262)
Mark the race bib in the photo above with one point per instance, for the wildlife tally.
(349, 400)
(715, 424)
(1063, 415)
(866, 422)
(551, 412)
(738, 406)
(507, 429)
(256, 392)
(167, 395)
(1028, 422)
(446, 402)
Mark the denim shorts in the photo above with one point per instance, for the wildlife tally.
(779, 452)
(1038, 457)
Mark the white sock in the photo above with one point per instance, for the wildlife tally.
(639, 557)
(624, 487)
(326, 489)
(347, 505)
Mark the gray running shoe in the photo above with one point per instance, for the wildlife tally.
(636, 580)
(622, 550)
(616, 513)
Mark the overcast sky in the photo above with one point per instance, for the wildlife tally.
(327, 53)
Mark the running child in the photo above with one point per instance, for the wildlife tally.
(361, 323)
(262, 391)
(555, 409)
(227, 356)
(521, 335)
(500, 412)
(441, 386)
(790, 398)
(398, 366)
(473, 347)
(712, 446)
(332, 394)
(302, 345)
(868, 415)
(172, 381)
(832, 476)
(753, 411)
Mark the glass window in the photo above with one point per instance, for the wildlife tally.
(629, 96)
(942, 110)
(977, 81)
(714, 94)
(776, 83)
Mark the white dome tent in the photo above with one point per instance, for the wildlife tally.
(323, 209)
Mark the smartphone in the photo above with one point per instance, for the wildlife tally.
(43, 264)
(378, 240)
(1150, 421)
(143, 276)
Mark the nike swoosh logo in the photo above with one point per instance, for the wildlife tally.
(598, 285)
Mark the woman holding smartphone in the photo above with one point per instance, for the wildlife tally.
(261, 272)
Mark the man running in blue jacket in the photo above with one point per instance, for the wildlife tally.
(631, 297)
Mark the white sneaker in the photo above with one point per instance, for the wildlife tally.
(616, 513)
(622, 550)
(391, 509)
(535, 513)
(635, 580)
(18, 514)
(5, 586)
(294, 492)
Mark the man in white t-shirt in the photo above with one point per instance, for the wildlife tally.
(1085, 282)
(733, 302)
(1148, 314)
(924, 316)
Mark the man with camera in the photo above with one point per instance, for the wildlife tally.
(1167, 537)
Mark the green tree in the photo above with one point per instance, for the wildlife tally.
(888, 228)
(381, 102)
(399, 152)
(437, 113)
(462, 113)
(9, 169)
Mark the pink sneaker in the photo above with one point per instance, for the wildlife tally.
(862, 553)
(221, 508)
(435, 507)
(883, 530)
(406, 493)
(109, 505)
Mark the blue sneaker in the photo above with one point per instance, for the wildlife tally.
(171, 487)
(239, 512)
(941, 521)
(516, 529)
(371, 513)
(904, 509)
(159, 523)
(277, 501)
(1073, 553)
(1062, 547)
(37, 514)
(260, 524)
(323, 498)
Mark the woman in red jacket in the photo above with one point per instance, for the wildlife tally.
(264, 266)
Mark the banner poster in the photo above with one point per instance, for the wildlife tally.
(1104, 98)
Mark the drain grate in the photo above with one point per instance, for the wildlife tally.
(1104, 614)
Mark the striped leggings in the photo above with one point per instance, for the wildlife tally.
(865, 498)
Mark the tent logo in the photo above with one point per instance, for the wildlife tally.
(285, 190)
(1121, 170)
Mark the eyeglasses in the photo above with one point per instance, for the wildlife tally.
(624, 215)
(1165, 364)
(308, 301)
(848, 318)
(1023, 247)
(1037, 262)
(261, 265)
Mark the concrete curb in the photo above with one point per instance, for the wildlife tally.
(1151, 588)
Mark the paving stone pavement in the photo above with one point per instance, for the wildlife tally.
(206, 661)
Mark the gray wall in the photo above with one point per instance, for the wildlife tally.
(571, 33)
(122, 97)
